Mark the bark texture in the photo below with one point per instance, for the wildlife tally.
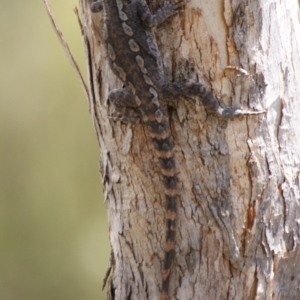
(239, 210)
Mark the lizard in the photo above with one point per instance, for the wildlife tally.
(135, 59)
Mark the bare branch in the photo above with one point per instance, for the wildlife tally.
(65, 45)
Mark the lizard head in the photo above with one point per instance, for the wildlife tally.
(96, 5)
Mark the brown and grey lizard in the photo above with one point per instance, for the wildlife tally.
(134, 57)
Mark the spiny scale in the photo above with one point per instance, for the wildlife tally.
(134, 57)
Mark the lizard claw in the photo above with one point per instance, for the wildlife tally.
(172, 9)
(230, 112)
(178, 5)
(124, 119)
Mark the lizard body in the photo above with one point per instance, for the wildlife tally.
(134, 57)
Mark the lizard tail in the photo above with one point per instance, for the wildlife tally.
(157, 123)
(170, 185)
(163, 143)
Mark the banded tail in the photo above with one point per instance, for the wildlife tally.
(163, 143)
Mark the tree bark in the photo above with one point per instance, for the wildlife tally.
(239, 209)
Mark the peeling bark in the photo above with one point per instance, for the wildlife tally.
(239, 210)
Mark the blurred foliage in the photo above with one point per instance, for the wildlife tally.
(53, 228)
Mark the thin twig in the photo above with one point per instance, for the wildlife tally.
(65, 45)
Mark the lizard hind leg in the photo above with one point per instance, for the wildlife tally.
(176, 90)
(123, 106)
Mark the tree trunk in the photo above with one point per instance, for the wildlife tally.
(239, 208)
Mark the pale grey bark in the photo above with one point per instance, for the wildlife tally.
(239, 210)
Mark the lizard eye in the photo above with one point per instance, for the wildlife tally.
(95, 5)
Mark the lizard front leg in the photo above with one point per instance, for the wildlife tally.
(152, 20)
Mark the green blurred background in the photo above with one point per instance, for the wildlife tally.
(53, 227)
